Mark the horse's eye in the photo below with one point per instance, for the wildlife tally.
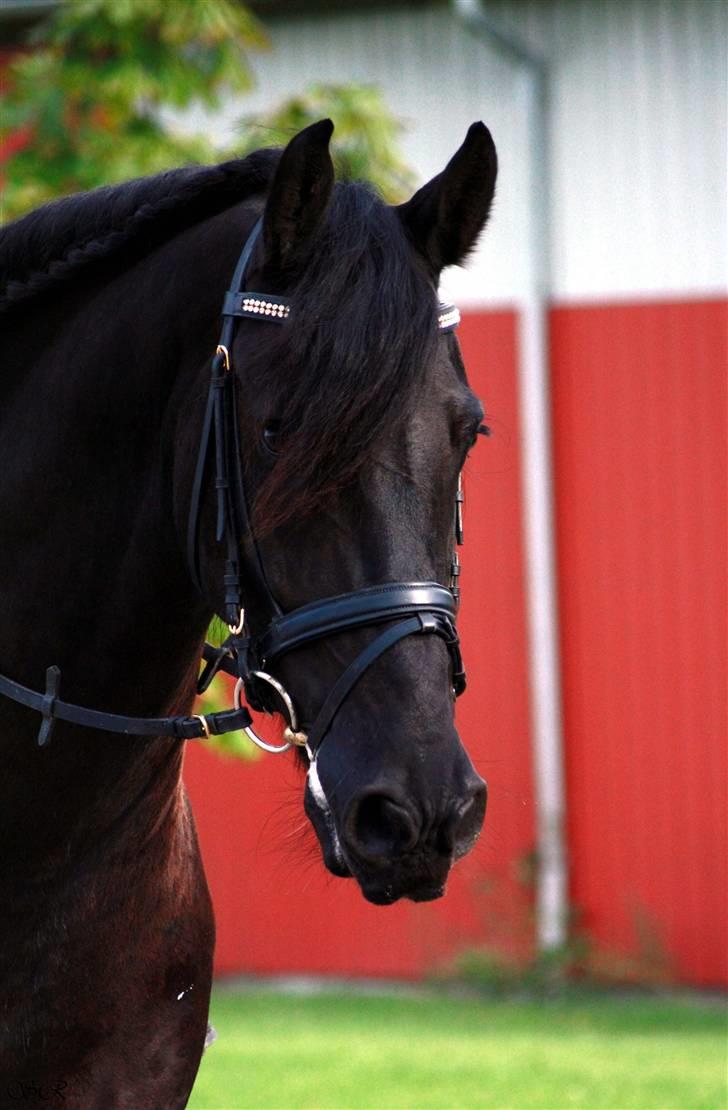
(481, 430)
(272, 440)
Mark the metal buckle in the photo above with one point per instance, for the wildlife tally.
(205, 726)
(221, 350)
(236, 629)
(291, 734)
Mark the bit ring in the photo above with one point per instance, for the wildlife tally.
(291, 734)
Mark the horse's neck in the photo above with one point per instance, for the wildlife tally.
(91, 566)
(92, 575)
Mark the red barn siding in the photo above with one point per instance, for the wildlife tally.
(639, 407)
(639, 441)
(276, 908)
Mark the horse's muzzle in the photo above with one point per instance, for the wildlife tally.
(394, 846)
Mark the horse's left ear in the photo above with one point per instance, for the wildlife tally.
(299, 194)
(445, 217)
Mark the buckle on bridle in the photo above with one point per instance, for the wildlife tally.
(222, 350)
(236, 629)
(205, 726)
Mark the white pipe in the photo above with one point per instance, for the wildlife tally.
(537, 491)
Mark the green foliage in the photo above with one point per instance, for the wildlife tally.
(579, 964)
(365, 141)
(96, 92)
(91, 90)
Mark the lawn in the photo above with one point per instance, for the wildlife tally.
(345, 1051)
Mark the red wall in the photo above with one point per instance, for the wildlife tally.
(639, 442)
(639, 416)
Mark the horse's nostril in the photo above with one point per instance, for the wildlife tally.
(378, 826)
(460, 830)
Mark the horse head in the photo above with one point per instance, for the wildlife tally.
(356, 419)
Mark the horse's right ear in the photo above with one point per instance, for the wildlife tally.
(444, 218)
(299, 194)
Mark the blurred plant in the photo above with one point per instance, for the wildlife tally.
(96, 91)
(579, 964)
(365, 141)
(90, 90)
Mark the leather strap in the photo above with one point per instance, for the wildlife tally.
(221, 431)
(197, 483)
(360, 607)
(53, 709)
(414, 625)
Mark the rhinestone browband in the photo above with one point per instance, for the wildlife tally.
(263, 306)
(448, 317)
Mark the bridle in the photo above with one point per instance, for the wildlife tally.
(403, 608)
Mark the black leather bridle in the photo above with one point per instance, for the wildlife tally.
(403, 608)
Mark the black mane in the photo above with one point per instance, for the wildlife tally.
(362, 330)
(53, 243)
(361, 333)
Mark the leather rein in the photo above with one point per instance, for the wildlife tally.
(404, 608)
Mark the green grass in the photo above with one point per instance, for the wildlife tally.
(344, 1051)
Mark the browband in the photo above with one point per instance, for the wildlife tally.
(263, 306)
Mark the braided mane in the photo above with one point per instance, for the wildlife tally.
(51, 245)
(346, 367)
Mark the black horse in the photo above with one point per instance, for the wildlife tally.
(355, 420)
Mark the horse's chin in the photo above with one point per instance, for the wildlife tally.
(386, 895)
(381, 892)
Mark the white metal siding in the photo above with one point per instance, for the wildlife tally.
(637, 137)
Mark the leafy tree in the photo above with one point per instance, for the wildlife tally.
(365, 140)
(96, 96)
(91, 90)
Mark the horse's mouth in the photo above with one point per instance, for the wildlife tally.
(414, 876)
(386, 895)
(382, 892)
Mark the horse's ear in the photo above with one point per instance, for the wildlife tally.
(445, 217)
(299, 194)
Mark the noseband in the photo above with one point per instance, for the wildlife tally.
(403, 608)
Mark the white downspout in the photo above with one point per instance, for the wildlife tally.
(537, 490)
